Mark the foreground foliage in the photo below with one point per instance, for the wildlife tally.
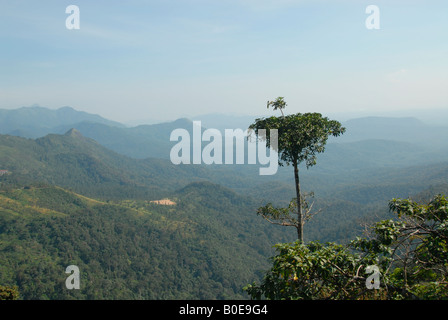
(9, 293)
(410, 253)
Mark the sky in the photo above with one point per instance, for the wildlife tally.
(158, 60)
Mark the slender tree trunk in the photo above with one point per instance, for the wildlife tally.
(299, 203)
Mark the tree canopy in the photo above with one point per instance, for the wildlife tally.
(300, 136)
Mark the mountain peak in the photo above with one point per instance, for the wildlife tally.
(73, 133)
(66, 109)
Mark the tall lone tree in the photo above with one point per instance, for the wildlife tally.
(300, 138)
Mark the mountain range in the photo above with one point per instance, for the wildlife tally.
(375, 140)
(79, 176)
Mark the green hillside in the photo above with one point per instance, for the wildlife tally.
(131, 249)
(76, 162)
(66, 199)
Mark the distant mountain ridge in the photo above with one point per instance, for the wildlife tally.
(371, 141)
(404, 129)
(37, 121)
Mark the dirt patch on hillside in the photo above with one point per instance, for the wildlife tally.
(165, 202)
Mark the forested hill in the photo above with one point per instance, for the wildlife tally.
(68, 199)
(131, 249)
(65, 199)
(74, 161)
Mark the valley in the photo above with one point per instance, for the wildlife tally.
(85, 193)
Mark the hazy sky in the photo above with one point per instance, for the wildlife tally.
(163, 59)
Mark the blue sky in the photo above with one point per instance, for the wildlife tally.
(160, 60)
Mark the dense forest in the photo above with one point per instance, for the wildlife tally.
(66, 199)
(204, 247)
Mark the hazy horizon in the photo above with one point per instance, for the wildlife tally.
(163, 60)
(438, 118)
